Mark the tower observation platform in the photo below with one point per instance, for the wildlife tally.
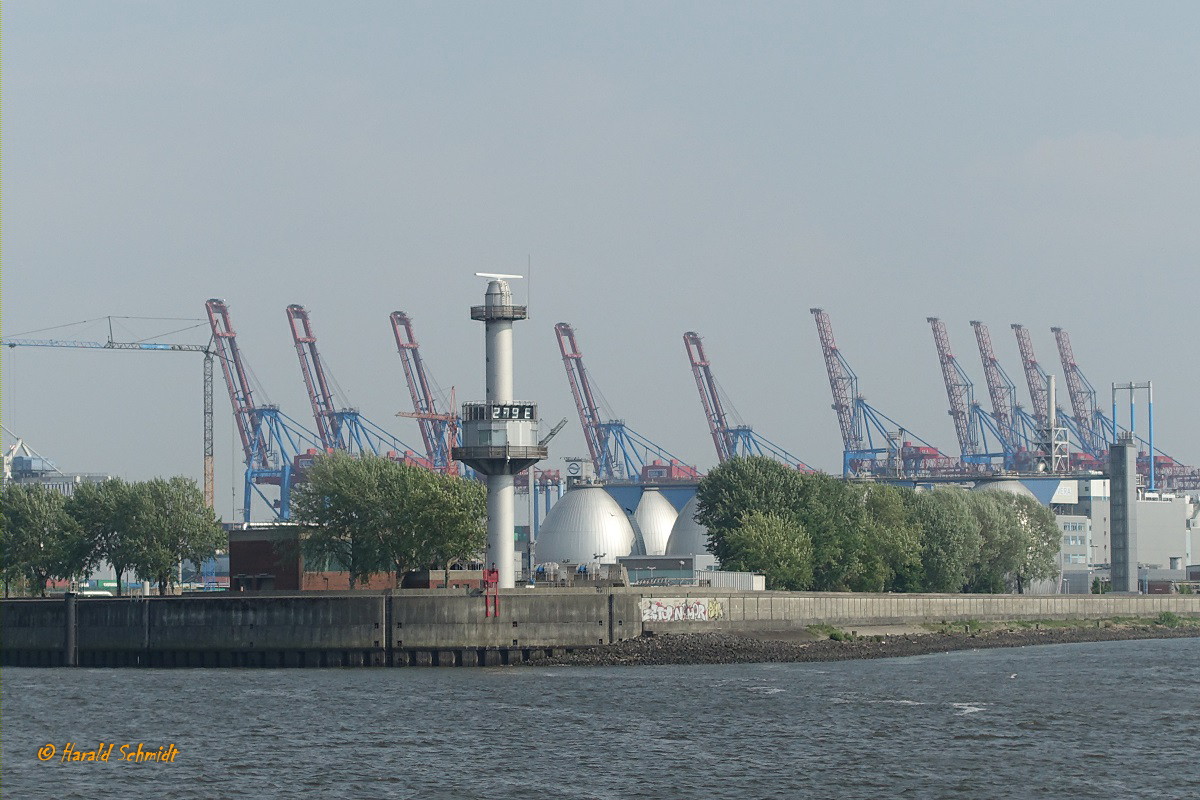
(500, 435)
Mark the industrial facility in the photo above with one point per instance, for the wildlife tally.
(629, 497)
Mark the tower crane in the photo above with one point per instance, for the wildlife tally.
(207, 350)
(344, 429)
(873, 443)
(439, 431)
(730, 440)
(273, 444)
(617, 451)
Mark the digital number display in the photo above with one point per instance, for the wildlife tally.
(512, 412)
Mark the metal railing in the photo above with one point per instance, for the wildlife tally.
(485, 313)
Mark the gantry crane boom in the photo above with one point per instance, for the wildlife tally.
(439, 431)
(208, 351)
(874, 442)
(271, 440)
(617, 451)
(1001, 389)
(710, 398)
(345, 429)
(1035, 376)
(1083, 397)
(731, 440)
(842, 381)
(320, 396)
(241, 396)
(585, 401)
(959, 390)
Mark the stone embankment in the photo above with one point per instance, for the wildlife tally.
(726, 648)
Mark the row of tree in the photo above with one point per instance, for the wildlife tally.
(370, 515)
(810, 531)
(146, 527)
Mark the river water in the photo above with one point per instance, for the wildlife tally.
(1110, 720)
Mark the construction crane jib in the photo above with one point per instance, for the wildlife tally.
(207, 350)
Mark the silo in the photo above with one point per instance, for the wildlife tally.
(688, 537)
(585, 525)
(656, 517)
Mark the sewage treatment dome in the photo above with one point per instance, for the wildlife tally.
(688, 537)
(656, 517)
(1009, 486)
(584, 523)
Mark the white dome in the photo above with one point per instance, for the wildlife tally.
(688, 537)
(1009, 486)
(655, 516)
(584, 522)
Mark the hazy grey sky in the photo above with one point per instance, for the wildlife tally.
(719, 167)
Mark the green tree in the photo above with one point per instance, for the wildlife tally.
(10, 568)
(370, 514)
(949, 537)
(168, 523)
(741, 486)
(893, 551)
(778, 548)
(1001, 543)
(341, 506)
(1019, 542)
(455, 511)
(1041, 540)
(829, 509)
(104, 513)
(42, 541)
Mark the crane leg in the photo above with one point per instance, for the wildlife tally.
(209, 479)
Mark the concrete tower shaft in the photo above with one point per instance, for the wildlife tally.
(499, 435)
(498, 341)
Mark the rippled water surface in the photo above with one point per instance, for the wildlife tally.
(1093, 720)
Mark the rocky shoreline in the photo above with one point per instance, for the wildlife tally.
(730, 648)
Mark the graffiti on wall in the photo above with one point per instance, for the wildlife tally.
(680, 609)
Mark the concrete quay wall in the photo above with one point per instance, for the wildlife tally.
(420, 627)
(687, 610)
(454, 627)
